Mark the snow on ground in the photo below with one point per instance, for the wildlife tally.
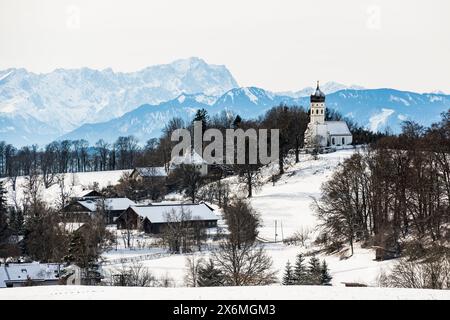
(221, 293)
(289, 201)
(75, 183)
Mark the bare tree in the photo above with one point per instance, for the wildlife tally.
(243, 222)
(65, 191)
(177, 233)
(193, 266)
(245, 266)
(434, 274)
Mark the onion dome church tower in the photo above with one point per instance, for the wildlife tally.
(321, 133)
(318, 106)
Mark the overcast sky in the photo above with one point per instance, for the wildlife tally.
(276, 45)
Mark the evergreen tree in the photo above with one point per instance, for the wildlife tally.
(16, 222)
(202, 115)
(314, 271)
(300, 271)
(325, 278)
(237, 121)
(209, 275)
(4, 233)
(288, 278)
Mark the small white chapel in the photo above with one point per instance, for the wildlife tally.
(324, 133)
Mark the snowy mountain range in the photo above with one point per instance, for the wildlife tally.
(92, 104)
(62, 100)
(327, 88)
(376, 109)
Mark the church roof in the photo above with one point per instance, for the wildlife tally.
(318, 95)
(338, 128)
(188, 158)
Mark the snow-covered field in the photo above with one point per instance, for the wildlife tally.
(74, 184)
(221, 293)
(288, 202)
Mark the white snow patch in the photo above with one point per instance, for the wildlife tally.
(379, 119)
(398, 99)
(6, 75)
(250, 95)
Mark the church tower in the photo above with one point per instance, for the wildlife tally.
(318, 106)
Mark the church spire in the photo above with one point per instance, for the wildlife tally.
(318, 96)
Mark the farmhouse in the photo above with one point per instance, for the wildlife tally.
(82, 210)
(144, 173)
(153, 218)
(26, 274)
(191, 158)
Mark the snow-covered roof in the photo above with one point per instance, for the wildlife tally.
(71, 226)
(158, 213)
(188, 158)
(23, 271)
(337, 128)
(85, 193)
(152, 171)
(112, 204)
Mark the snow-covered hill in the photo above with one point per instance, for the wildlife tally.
(220, 293)
(289, 203)
(63, 100)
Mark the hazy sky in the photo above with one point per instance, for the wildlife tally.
(277, 44)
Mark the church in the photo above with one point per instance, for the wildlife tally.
(324, 133)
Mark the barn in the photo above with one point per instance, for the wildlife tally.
(153, 218)
(80, 211)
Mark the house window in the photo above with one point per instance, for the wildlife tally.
(343, 140)
(332, 141)
(321, 111)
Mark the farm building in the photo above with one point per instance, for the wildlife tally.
(27, 274)
(86, 195)
(153, 218)
(191, 158)
(80, 211)
(144, 173)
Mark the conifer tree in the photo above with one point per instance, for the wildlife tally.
(288, 278)
(300, 271)
(314, 271)
(325, 278)
(209, 275)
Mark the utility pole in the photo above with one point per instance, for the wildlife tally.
(275, 230)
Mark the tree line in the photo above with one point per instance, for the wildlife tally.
(395, 196)
(126, 152)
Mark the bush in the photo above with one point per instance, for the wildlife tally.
(430, 274)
